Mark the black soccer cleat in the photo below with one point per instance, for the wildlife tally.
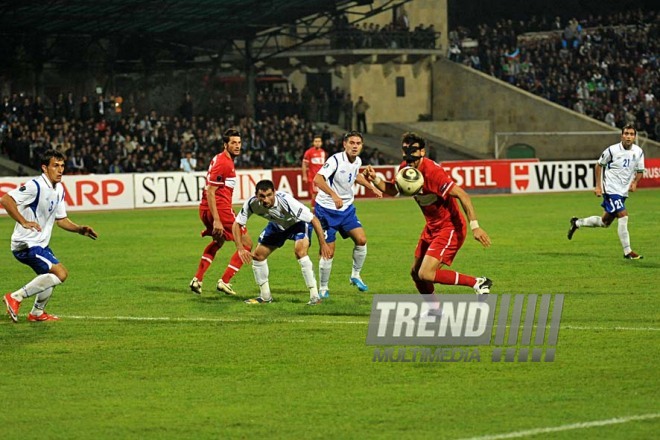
(573, 228)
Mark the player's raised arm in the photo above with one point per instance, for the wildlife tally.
(479, 234)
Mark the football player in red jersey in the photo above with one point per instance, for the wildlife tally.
(313, 160)
(445, 228)
(216, 213)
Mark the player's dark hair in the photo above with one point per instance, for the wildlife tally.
(47, 155)
(629, 126)
(317, 135)
(264, 185)
(352, 133)
(230, 132)
(410, 138)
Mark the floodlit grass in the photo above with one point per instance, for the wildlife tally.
(136, 355)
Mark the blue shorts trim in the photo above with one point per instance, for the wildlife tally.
(613, 203)
(273, 236)
(334, 221)
(39, 259)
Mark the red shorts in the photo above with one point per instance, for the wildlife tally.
(442, 245)
(227, 223)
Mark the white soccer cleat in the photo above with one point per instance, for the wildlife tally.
(314, 301)
(483, 286)
(196, 286)
(225, 287)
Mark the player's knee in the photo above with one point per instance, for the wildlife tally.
(414, 275)
(426, 275)
(360, 241)
(60, 272)
(258, 257)
(300, 253)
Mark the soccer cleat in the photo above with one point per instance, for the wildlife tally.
(258, 300)
(225, 287)
(573, 228)
(43, 317)
(12, 306)
(483, 286)
(314, 301)
(196, 286)
(633, 256)
(359, 284)
(323, 294)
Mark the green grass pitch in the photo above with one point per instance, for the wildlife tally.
(137, 355)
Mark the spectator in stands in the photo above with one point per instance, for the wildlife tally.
(361, 107)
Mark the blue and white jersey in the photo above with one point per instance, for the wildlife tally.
(285, 212)
(38, 202)
(620, 166)
(340, 174)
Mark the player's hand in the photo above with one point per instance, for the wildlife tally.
(245, 256)
(369, 173)
(378, 192)
(304, 177)
(338, 201)
(598, 192)
(633, 187)
(32, 225)
(481, 236)
(87, 231)
(218, 229)
(326, 251)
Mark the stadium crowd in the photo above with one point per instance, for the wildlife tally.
(606, 67)
(101, 138)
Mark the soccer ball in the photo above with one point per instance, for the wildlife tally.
(409, 181)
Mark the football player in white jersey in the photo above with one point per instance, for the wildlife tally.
(36, 207)
(335, 209)
(618, 171)
(288, 220)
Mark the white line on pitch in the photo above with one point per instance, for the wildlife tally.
(305, 321)
(572, 426)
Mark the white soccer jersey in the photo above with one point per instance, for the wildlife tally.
(340, 174)
(620, 166)
(285, 212)
(38, 202)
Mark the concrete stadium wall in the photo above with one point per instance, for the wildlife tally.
(462, 93)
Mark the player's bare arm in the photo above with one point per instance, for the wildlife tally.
(361, 180)
(218, 229)
(244, 254)
(10, 206)
(598, 189)
(638, 177)
(479, 234)
(68, 225)
(304, 171)
(319, 181)
(326, 251)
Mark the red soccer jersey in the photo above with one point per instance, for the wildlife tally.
(222, 174)
(439, 208)
(315, 160)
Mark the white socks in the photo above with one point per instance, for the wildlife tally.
(39, 284)
(624, 236)
(260, 269)
(590, 222)
(325, 267)
(41, 301)
(359, 255)
(307, 269)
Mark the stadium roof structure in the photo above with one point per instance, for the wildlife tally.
(250, 31)
(173, 19)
